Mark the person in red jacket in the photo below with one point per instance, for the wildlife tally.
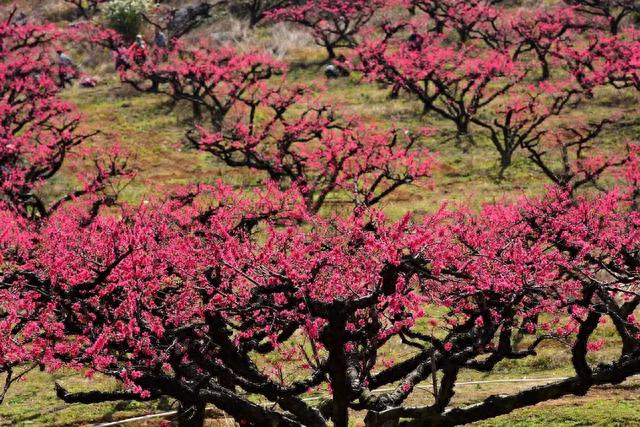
(138, 50)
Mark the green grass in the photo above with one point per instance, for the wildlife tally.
(34, 402)
(611, 410)
(153, 132)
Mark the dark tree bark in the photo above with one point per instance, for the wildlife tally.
(191, 415)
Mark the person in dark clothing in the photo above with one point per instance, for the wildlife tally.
(67, 69)
(122, 60)
(160, 39)
(337, 68)
(415, 42)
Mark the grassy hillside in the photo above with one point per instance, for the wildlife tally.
(152, 130)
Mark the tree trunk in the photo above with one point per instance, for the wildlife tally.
(544, 65)
(254, 18)
(330, 51)
(338, 371)
(505, 162)
(197, 111)
(191, 414)
(614, 25)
